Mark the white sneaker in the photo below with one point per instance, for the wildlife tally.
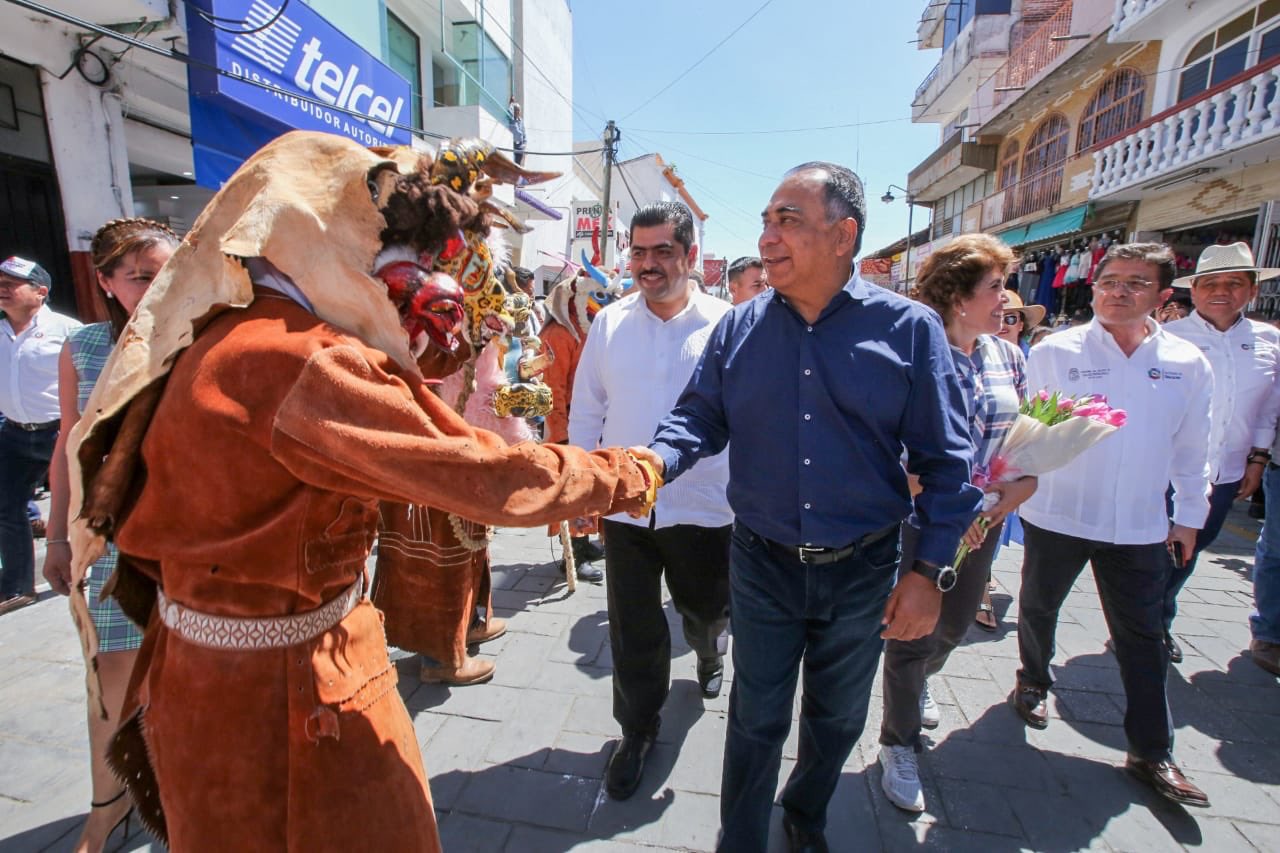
(929, 715)
(901, 778)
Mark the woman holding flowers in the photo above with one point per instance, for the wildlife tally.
(964, 283)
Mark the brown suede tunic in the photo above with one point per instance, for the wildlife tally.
(275, 438)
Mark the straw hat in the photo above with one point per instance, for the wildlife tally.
(1235, 257)
(1031, 314)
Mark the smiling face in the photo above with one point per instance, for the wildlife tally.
(1221, 297)
(1012, 325)
(134, 273)
(800, 244)
(982, 312)
(749, 284)
(19, 297)
(660, 265)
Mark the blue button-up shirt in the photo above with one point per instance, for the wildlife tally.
(816, 417)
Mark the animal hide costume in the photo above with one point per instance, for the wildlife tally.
(236, 448)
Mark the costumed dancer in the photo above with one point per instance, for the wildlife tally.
(571, 306)
(433, 574)
(267, 387)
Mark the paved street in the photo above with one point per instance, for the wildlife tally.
(516, 765)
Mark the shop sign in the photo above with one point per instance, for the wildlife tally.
(300, 53)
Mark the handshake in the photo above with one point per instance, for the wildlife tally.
(651, 467)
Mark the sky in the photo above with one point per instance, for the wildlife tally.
(794, 65)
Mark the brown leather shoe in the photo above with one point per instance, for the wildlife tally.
(472, 671)
(483, 632)
(1266, 655)
(1031, 704)
(1168, 781)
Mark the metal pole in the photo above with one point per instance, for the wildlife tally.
(606, 244)
(906, 267)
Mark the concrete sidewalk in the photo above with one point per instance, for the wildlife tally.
(516, 765)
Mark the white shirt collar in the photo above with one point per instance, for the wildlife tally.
(1204, 324)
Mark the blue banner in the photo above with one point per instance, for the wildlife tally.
(256, 98)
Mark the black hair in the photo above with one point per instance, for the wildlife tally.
(665, 213)
(845, 196)
(1148, 253)
(741, 265)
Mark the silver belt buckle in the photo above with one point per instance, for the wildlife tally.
(803, 551)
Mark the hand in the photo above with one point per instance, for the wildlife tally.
(1252, 480)
(57, 567)
(650, 456)
(976, 534)
(584, 525)
(1184, 536)
(1012, 495)
(913, 608)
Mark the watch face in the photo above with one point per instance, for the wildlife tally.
(946, 578)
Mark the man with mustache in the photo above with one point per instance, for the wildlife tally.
(637, 359)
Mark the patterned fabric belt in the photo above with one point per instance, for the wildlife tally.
(267, 632)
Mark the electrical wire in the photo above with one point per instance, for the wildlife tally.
(216, 22)
(701, 59)
(720, 163)
(771, 131)
(187, 59)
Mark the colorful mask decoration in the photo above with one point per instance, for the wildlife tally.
(430, 304)
(574, 303)
(520, 355)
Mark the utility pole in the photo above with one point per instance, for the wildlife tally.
(611, 137)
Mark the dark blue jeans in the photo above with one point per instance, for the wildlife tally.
(1220, 500)
(1131, 581)
(24, 460)
(1264, 622)
(787, 615)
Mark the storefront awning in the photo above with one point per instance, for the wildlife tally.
(296, 72)
(1065, 222)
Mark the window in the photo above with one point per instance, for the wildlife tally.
(404, 55)
(1009, 164)
(1113, 109)
(1241, 43)
(1041, 168)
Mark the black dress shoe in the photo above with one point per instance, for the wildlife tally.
(711, 676)
(801, 840)
(1175, 650)
(586, 572)
(1031, 704)
(586, 551)
(1168, 781)
(622, 777)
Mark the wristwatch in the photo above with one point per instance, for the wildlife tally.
(943, 577)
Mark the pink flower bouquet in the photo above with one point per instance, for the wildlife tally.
(1051, 431)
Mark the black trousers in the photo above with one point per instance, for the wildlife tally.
(1131, 583)
(908, 664)
(696, 562)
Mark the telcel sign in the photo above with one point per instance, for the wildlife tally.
(300, 53)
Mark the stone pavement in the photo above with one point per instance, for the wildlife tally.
(516, 765)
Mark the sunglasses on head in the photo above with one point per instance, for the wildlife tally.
(1012, 319)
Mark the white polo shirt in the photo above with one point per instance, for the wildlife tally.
(632, 370)
(1244, 359)
(29, 366)
(1114, 491)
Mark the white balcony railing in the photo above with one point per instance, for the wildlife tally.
(1222, 119)
(1129, 11)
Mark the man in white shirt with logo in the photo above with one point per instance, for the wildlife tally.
(1245, 356)
(1107, 507)
(31, 337)
(637, 359)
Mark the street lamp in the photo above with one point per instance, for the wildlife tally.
(889, 198)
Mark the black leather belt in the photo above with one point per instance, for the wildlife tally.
(34, 427)
(824, 556)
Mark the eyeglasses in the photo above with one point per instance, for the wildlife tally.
(1011, 319)
(1129, 285)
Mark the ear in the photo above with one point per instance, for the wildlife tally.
(693, 255)
(847, 236)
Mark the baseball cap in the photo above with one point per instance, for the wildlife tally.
(16, 267)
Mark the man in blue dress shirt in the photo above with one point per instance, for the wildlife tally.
(817, 387)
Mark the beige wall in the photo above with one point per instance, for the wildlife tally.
(1213, 196)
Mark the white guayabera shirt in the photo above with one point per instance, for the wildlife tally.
(1114, 491)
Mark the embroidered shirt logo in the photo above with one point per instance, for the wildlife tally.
(1073, 374)
(1154, 373)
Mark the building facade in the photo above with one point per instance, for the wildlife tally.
(94, 128)
(1067, 125)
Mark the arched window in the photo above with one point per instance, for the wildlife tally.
(1113, 109)
(1009, 165)
(1046, 151)
(1241, 43)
